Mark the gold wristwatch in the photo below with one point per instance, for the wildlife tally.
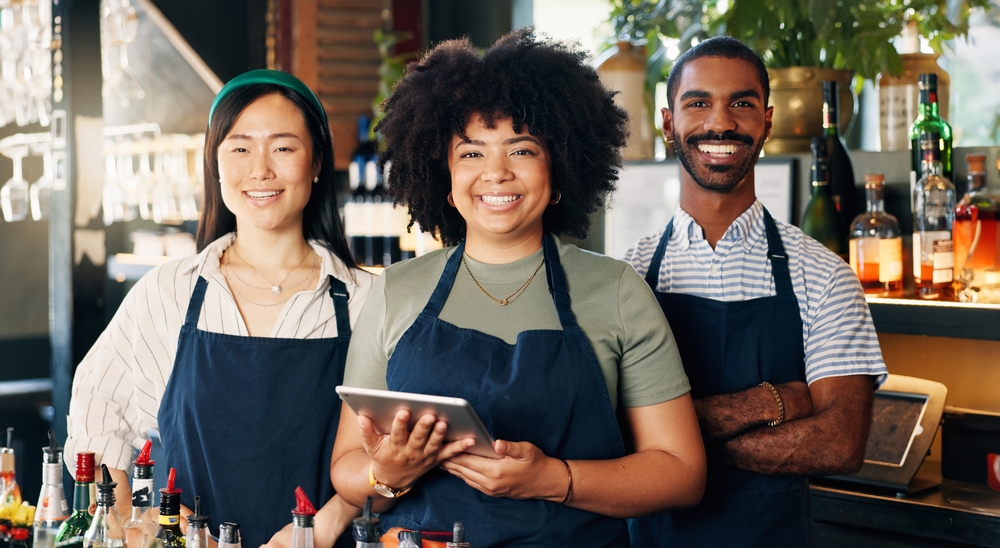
(383, 489)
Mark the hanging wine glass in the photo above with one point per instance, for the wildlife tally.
(112, 196)
(41, 190)
(14, 193)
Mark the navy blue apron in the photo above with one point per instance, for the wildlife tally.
(727, 347)
(245, 420)
(547, 389)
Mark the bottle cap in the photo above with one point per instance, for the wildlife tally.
(303, 507)
(170, 496)
(365, 528)
(414, 536)
(53, 453)
(976, 161)
(229, 532)
(197, 519)
(143, 458)
(458, 533)
(874, 179)
(85, 467)
(106, 488)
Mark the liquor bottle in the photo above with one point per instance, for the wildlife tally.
(197, 533)
(229, 535)
(933, 214)
(106, 529)
(374, 217)
(10, 493)
(356, 211)
(458, 537)
(929, 121)
(876, 245)
(365, 529)
(142, 524)
(842, 188)
(53, 509)
(820, 220)
(71, 531)
(169, 534)
(976, 234)
(303, 517)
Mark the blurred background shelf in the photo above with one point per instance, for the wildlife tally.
(957, 320)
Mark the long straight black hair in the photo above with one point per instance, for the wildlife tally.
(320, 218)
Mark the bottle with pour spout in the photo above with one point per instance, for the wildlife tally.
(106, 529)
(169, 534)
(53, 509)
(303, 517)
(142, 524)
(197, 533)
(365, 529)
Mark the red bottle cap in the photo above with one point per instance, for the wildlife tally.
(143, 458)
(303, 507)
(85, 467)
(170, 489)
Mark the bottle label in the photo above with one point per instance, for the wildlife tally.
(169, 520)
(142, 492)
(944, 261)
(890, 260)
(51, 505)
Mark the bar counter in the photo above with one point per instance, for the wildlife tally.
(955, 514)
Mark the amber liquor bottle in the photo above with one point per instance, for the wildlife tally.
(976, 234)
(876, 245)
(933, 215)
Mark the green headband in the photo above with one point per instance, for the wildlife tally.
(264, 76)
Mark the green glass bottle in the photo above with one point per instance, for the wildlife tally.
(821, 220)
(169, 535)
(929, 121)
(72, 530)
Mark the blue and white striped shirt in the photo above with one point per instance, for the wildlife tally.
(837, 331)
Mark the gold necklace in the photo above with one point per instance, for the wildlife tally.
(275, 288)
(513, 296)
(244, 297)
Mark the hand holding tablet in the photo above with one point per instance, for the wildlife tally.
(381, 406)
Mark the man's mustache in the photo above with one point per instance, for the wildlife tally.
(724, 136)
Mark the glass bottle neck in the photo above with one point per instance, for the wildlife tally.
(876, 200)
(977, 180)
(932, 166)
(929, 104)
(81, 497)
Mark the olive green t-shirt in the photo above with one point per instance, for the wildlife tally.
(613, 306)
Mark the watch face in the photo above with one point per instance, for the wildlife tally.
(385, 491)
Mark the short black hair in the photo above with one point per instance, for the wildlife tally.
(320, 218)
(545, 85)
(718, 46)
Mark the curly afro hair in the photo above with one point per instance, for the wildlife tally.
(544, 85)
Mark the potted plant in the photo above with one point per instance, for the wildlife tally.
(803, 42)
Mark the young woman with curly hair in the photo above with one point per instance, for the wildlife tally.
(498, 152)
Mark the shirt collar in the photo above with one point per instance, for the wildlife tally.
(206, 263)
(746, 230)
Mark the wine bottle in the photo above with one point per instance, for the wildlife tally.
(976, 234)
(929, 121)
(106, 529)
(820, 220)
(365, 529)
(933, 215)
(356, 210)
(876, 244)
(169, 534)
(52, 509)
(839, 167)
(229, 535)
(71, 531)
(197, 533)
(303, 517)
(142, 524)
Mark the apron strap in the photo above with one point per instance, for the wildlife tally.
(194, 305)
(338, 292)
(653, 274)
(779, 259)
(555, 276)
(447, 279)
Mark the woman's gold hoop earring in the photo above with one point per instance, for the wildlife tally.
(451, 200)
(556, 196)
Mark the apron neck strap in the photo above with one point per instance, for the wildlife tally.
(338, 292)
(776, 254)
(653, 274)
(194, 305)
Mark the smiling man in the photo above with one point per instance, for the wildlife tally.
(773, 328)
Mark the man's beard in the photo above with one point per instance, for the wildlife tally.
(723, 178)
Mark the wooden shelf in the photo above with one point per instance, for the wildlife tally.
(958, 320)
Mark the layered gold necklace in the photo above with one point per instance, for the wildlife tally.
(275, 288)
(509, 298)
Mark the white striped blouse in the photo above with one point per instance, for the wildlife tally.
(117, 387)
(837, 332)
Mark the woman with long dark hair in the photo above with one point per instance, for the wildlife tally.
(233, 354)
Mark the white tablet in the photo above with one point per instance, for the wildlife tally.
(381, 406)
